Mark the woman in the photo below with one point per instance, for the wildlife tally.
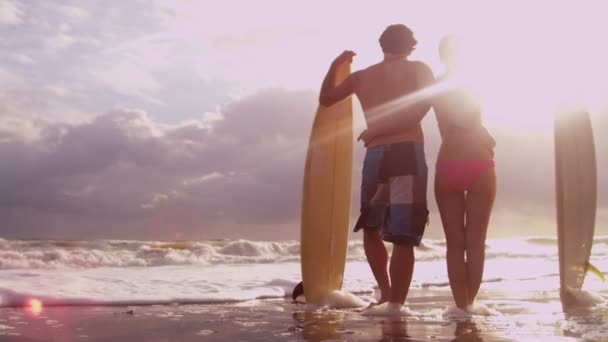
(465, 181)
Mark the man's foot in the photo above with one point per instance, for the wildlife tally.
(384, 294)
(380, 302)
(383, 300)
(384, 309)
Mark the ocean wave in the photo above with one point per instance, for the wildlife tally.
(149, 286)
(192, 284)
(245, 248)
(552, 241)
(119, 254)
(37, 254)
(54, 254)
(9, 298)
(545, 241)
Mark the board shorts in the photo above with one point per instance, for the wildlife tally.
(393, 192)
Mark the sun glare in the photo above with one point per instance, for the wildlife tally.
(34, 306)
(524, 71)
(522, 61)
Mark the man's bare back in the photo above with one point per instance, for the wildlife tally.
(383, 91)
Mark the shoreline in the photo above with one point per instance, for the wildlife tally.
(282, 320)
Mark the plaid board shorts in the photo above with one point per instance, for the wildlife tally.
(393, 192)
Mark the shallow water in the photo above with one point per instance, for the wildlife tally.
(520, 288)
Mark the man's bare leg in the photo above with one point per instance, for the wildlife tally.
(377, 257)
(401, 269)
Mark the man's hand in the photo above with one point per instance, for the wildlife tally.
(346, 56)
(332, 93)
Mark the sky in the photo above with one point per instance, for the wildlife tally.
(175, 119)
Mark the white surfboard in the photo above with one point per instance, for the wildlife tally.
(576, 190)
(326, 198)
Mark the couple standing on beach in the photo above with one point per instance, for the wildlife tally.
(395, 95)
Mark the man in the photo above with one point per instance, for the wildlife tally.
(394, 184)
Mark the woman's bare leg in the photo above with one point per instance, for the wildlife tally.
(451, 205)
(479, 202)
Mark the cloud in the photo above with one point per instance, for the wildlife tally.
(68, 171)
(60, 65)
(74, 14)
(17, 129)
(21, 99)
(123, 167)
(124, 174)
(140, 83)
(23, 58)
(59, 41)
(10, 13)
(8, 78)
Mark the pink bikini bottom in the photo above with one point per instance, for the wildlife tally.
(462, 174)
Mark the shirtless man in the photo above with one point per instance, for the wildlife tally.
(394, 177)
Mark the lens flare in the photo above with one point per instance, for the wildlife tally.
(34, 306)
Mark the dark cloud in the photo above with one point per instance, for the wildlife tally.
(123, 174)
(123, 168)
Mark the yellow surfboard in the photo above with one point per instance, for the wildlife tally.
(576, 190)
(326, 198)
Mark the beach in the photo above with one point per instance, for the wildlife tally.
(239, 290)
(171, 170)
(281, 320)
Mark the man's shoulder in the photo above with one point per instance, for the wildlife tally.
(424, 74)
(420, 66)
(361, 74)
(370, 68)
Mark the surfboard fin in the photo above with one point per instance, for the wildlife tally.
(297, 292)
(595, 270)
(588, 267)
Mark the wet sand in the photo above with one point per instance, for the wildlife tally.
(273, 320)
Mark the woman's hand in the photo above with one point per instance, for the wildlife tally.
(366, 136)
